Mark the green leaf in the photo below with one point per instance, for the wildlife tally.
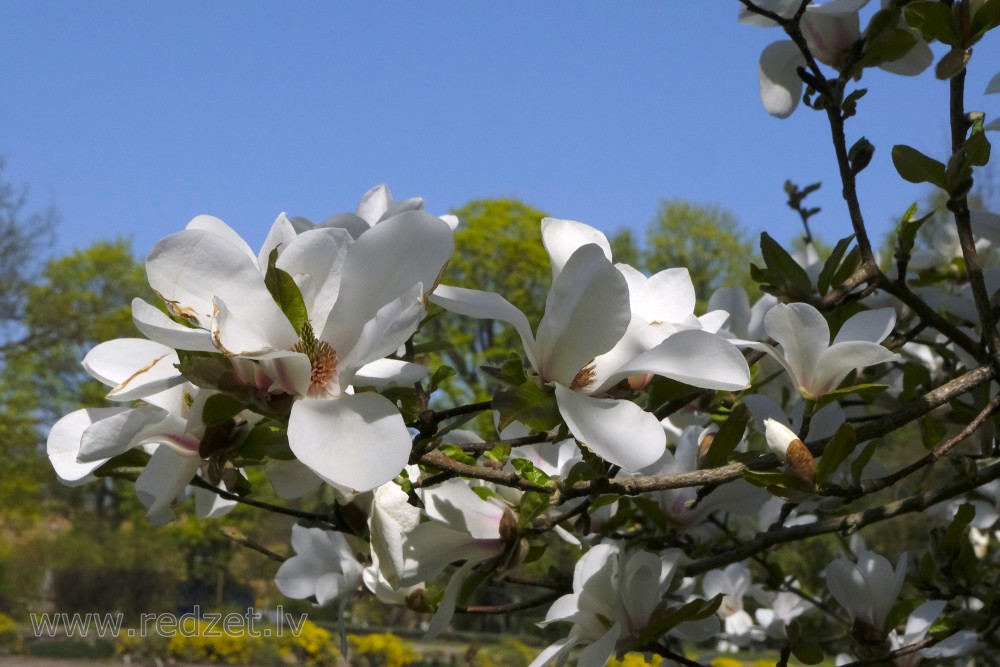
(840, 447)
(728, 438)
(831, 264)
(978, 149)
(204, 369)
(776, 482)
(512, 370)
(221, 408)
(440, 374)
(499, 454)
(906, 231)
(286, 293)
(533, 503)
(958, 527)
(456, 453)
(527, 470)
(866, 389)
(782, 265)
(847, 267)
(860, 155)
(916, 167)
(266, 440)
(858, 465)
(808, 653)
(124, 466)
(665, 619)
(984, 20)
(529, 404)
(933, 20)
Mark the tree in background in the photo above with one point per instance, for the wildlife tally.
(496, 245)
(707, 240)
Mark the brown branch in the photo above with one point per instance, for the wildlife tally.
(848, 523)
(874, 485)
(645, 484)
(237, 535)
(909, 649)
(270, 507)
(449, 465)
(512, 606)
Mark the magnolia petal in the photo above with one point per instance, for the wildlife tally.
(668, 296)
(848, 585)
(993, 86)
(385, 373)
(210, 223)
(562, 238)
(210, 505)
(803, 335)
(430, 547)
(392, 518)
(836, 362)
(586, 313)
(457, 506)
(616, 430)
(780, 85)
(349, 222)
(292, 479)
(63, 444)
(280, 236)
(119, 433)
(134, 367)
(357, 441)
(486, 306)
(870, 325)
(164, 477)
(921, 620)
(837, 7)
(599, 652)
(156, 326)
(389, 329)
(694, 357)
(189, 269)
(446, 608)
(251, 332)
(297, 577)
(374, 204)
(334, 585)
(986, 223)
(556, 652)
(288, 372)
(384, 264)
(318, 255)
(411, 204)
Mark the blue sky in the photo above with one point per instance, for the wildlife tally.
(133, 117)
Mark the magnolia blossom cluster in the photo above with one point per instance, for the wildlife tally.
(288, 358)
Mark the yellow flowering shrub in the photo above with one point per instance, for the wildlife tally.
(10, 636)
(214, 644)
(313, 646)
(726, 662)
(507, 653)
(636, 660)
(380, 650)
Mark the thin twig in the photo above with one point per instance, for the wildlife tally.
(270, 507)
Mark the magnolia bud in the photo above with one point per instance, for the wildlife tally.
(794, 454)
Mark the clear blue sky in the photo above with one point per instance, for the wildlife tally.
(133, 117)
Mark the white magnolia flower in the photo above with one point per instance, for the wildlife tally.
(583, 347)
(815, 365)
(917, 626)
(868, 589)
(778, 610)
(737, 497)
(830, 29)
(324, 567)
(615, 593)
(733, 583)
(168, 425)
(362, 299)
